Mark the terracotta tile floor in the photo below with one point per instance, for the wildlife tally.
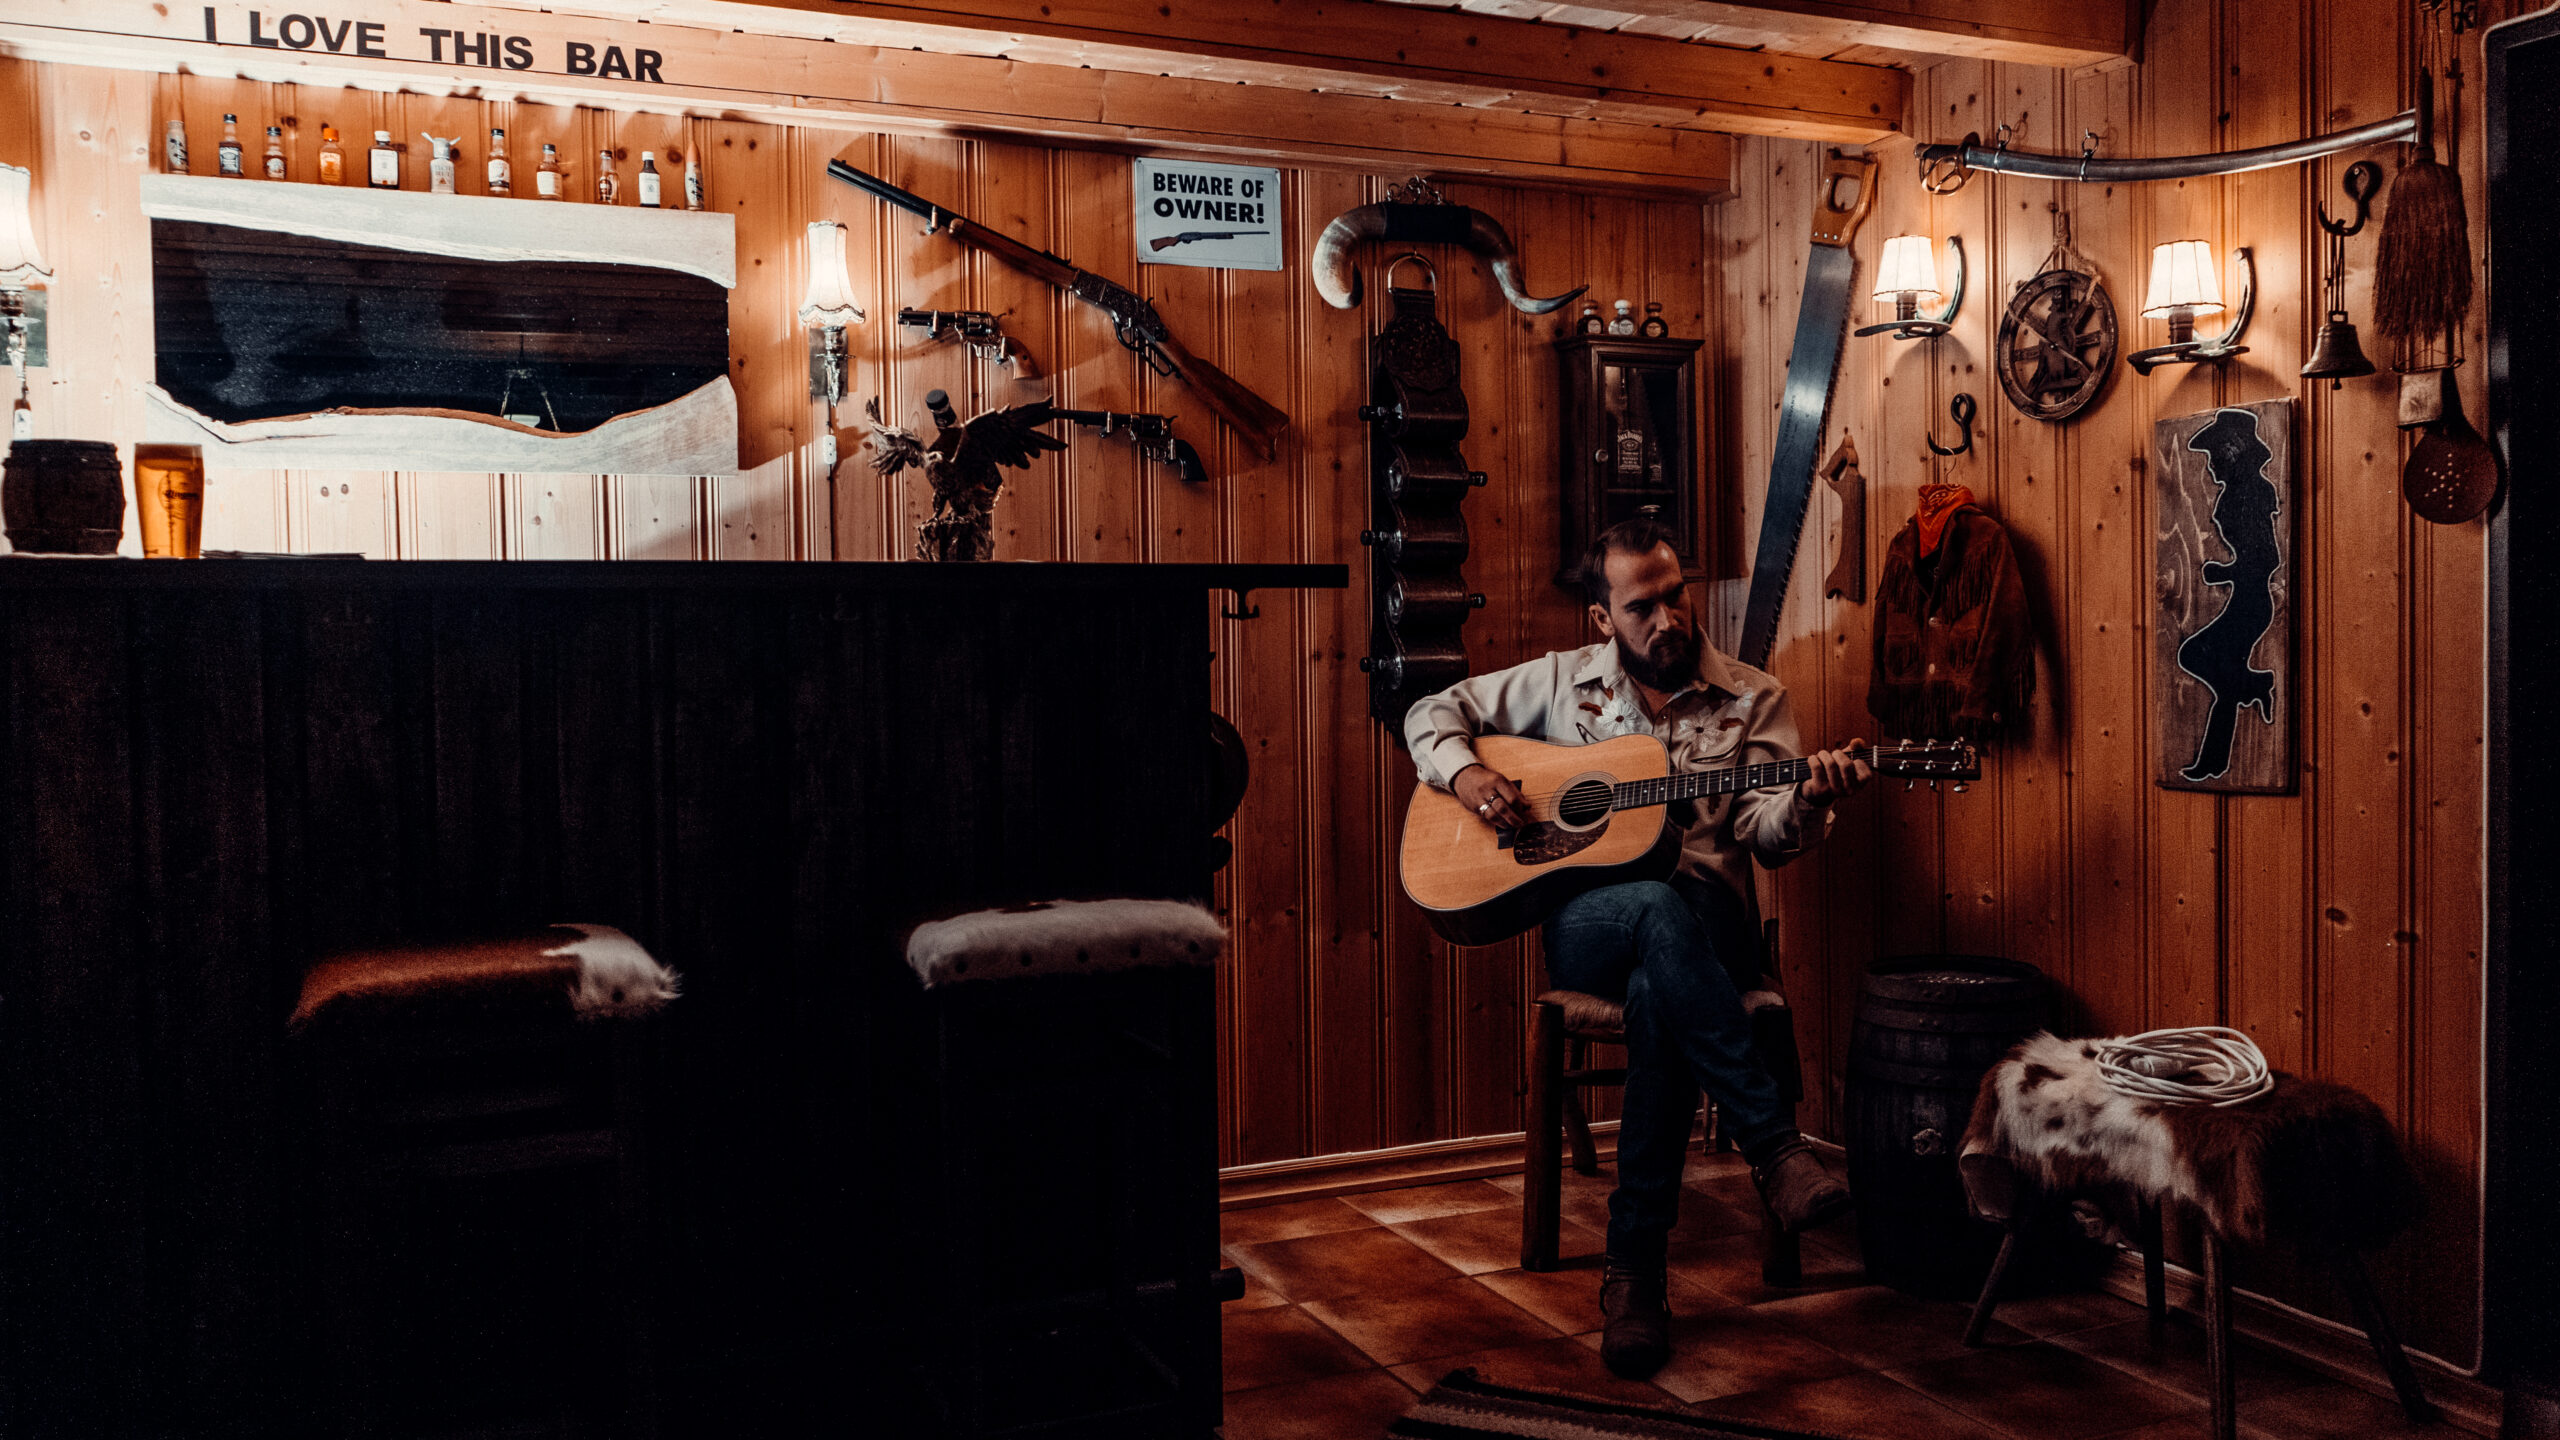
(1355, 1306)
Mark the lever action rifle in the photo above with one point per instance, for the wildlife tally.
(1133, 316)
(1167, 242)
(1153, 434)
(978, 330)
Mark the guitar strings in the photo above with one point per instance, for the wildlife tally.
(1546, 804)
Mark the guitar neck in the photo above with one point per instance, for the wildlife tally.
(1700, 784)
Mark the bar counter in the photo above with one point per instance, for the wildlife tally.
(216, 771)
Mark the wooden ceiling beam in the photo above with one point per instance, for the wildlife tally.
(1361, 47)
(724, 73)
(2064, 33)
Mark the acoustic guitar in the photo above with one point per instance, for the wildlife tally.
(1598, 816)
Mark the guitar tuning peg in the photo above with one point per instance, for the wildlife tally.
(1933, 786)
(1910, 785)
(1960, 787)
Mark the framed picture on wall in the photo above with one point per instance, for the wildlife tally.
(2222, 645)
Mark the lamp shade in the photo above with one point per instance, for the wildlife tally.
(20, 265)
(830, 301)
(2184, 276)
(1910, 264)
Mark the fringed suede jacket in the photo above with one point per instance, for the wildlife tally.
(1955, 649)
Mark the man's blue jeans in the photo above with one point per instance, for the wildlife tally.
(1676, 954)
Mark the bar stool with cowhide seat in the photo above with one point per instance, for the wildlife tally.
(1074, 1234)
(2195, 1117)
(1563, 1027)
(480, 1201)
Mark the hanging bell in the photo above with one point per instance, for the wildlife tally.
(2337, 356)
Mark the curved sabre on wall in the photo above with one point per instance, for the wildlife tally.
(1971, 154)
(1339, 282)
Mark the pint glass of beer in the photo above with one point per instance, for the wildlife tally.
(168, 491)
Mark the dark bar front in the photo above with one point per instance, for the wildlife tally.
(212, 773)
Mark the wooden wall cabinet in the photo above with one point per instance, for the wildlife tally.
(1629, 437)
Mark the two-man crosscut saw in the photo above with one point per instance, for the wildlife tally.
(1839, 204)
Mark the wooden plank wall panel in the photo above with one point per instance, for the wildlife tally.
(2013, 239)
(1971, 826)
(1346, 865)
(2340, 925)
(2180, 114)
(2106, 562)
(2269, 837)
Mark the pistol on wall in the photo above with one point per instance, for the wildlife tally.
(976, 329)
(1153, 435)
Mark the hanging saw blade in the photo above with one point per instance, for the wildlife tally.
(1840, 203)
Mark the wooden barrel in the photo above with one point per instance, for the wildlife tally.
(1928, 1028)
(63, 496)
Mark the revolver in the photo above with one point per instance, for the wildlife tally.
(1153, 435)
(976, 329)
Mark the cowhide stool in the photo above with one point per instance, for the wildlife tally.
(1075, 1231)
(2309, 1161)
(476, 1133)
(1563, 1025)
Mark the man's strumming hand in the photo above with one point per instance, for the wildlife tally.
(1493, 797)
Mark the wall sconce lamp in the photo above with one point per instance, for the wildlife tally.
(20, 268)
(828, 308)
(2184, 285)
(1907, 276)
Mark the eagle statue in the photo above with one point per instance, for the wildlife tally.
(965, 465)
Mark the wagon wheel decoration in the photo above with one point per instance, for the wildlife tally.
(2057, 341)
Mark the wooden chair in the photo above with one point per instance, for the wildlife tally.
(480, 1202)
(1563, 1026)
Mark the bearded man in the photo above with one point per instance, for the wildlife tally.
(1681, 954)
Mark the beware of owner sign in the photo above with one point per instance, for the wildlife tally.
(1224, 217)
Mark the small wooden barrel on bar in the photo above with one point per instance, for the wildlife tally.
(1928, 1028)
(63, 496)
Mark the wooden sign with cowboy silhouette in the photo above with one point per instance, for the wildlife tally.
(2222, 646)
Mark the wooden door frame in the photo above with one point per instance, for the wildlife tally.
(2520, 1248)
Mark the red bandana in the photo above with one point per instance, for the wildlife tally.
(1937, 502)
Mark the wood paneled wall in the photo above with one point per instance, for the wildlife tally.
(2340, 925)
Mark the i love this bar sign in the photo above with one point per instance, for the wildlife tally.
(600, 56)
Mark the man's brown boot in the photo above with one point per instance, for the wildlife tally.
(1635, 1336)
(1798, 1190)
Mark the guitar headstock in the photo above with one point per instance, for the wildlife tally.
(1930, 760)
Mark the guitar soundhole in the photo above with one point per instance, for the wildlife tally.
(1584, 802)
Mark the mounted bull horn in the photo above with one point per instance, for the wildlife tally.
(1338, 281)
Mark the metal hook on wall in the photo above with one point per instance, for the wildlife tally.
(1962, 408)
(2362, 182)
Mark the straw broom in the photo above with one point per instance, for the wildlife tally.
(2422, 274)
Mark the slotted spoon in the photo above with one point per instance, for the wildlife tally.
(2452, 475)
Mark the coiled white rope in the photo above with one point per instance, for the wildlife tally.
(2200, 1065)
